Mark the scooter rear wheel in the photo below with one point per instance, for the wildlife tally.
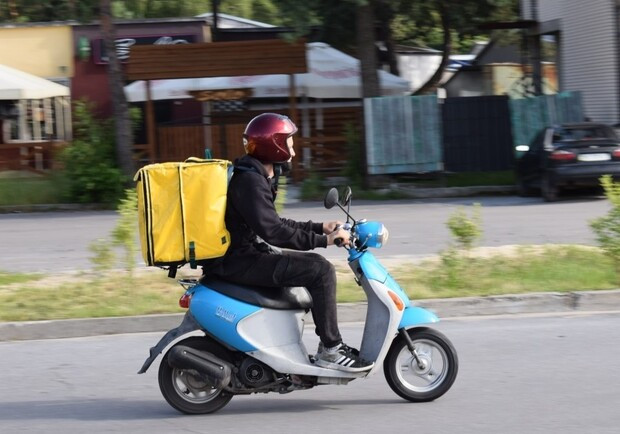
(427, 379)
(185, 389)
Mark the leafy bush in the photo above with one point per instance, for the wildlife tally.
(282, 193)
(354, 167)
(607, 228)
(312, 187)
(90, 173)
(123, 235)
(466, 231)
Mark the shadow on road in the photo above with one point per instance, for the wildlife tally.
(123, 410)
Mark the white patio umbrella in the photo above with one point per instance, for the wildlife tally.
(332, 74)
(19, 85)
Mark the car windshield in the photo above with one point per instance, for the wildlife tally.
(583, 133)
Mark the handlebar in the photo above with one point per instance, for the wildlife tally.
(347, 227)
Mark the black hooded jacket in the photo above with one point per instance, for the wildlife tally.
(250, 211)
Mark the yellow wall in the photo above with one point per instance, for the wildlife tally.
(45, 51)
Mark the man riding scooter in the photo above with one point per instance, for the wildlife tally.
(251, 217)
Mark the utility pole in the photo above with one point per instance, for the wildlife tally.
(536, 50)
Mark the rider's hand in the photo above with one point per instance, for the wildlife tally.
(330, 227)
(345, 236)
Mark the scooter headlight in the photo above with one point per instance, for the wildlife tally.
(372, 234)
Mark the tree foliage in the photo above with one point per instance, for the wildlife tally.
(90, 171)
(413, 22)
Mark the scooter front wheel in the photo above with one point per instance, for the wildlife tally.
(427, 375)
(187, 390)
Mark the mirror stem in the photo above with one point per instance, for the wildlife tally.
(347, 213)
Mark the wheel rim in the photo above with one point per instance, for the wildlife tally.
(430, 375)
(192, 388)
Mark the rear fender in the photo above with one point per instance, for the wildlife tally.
(188, 328)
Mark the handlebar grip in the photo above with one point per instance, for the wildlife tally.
(338, 242)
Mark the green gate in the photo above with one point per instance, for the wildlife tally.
(403, 134)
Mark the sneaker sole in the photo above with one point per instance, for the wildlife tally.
(337, 367)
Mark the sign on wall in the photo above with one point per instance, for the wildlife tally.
(123, 45)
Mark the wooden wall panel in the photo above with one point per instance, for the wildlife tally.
(217, 59)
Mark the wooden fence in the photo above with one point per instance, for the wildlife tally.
(324, 150)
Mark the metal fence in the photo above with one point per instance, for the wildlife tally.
(476, 134)
(417, 134)
(530, 115)
(403, 134)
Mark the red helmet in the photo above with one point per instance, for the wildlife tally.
(265, 137)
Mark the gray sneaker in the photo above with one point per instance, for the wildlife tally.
(343, 358)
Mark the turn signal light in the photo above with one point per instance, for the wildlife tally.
(397, 300)
(185, 300)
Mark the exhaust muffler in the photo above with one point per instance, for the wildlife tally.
(213, 368)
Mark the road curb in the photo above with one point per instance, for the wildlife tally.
(550, 302)
(293, 193)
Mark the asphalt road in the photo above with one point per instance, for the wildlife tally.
(58, 241)
(518, 374)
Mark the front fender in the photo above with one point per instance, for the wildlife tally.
(188, 327)
(415, 315)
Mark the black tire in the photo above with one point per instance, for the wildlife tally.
(441, 366)
(548, 189)
(186, 390)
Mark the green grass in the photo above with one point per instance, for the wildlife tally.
(118, 295)
(533, 269)
(554, 269)
(472, 179)
(28, 191)
(11, 278)
(314, 188)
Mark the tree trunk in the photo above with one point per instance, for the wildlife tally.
(432, 82)
(366, 50)
(122, 121)
(386, 15)
(367, 53)
(13, 13)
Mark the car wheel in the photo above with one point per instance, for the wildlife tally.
(549, 189)
(523, 189)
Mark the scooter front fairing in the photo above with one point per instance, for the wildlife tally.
(389, 308)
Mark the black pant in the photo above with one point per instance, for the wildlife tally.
(291, 268)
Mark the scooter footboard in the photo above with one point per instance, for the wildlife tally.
(415, 315)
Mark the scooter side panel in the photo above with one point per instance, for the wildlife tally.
(414, 316)
(258, 329)
(220, 315)
(277, 335)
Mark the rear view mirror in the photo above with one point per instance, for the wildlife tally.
(331, 198)
(346, 197)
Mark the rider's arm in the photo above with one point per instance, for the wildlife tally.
(306, 226)
(251, 196)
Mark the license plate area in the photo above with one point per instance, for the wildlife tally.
(594, 157)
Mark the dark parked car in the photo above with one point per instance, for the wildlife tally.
(569, 155)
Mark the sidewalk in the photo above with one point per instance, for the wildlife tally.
(293, 193)
(543, 303)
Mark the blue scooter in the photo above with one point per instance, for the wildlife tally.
(240, 339)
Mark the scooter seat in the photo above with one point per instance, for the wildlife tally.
(284, 298)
